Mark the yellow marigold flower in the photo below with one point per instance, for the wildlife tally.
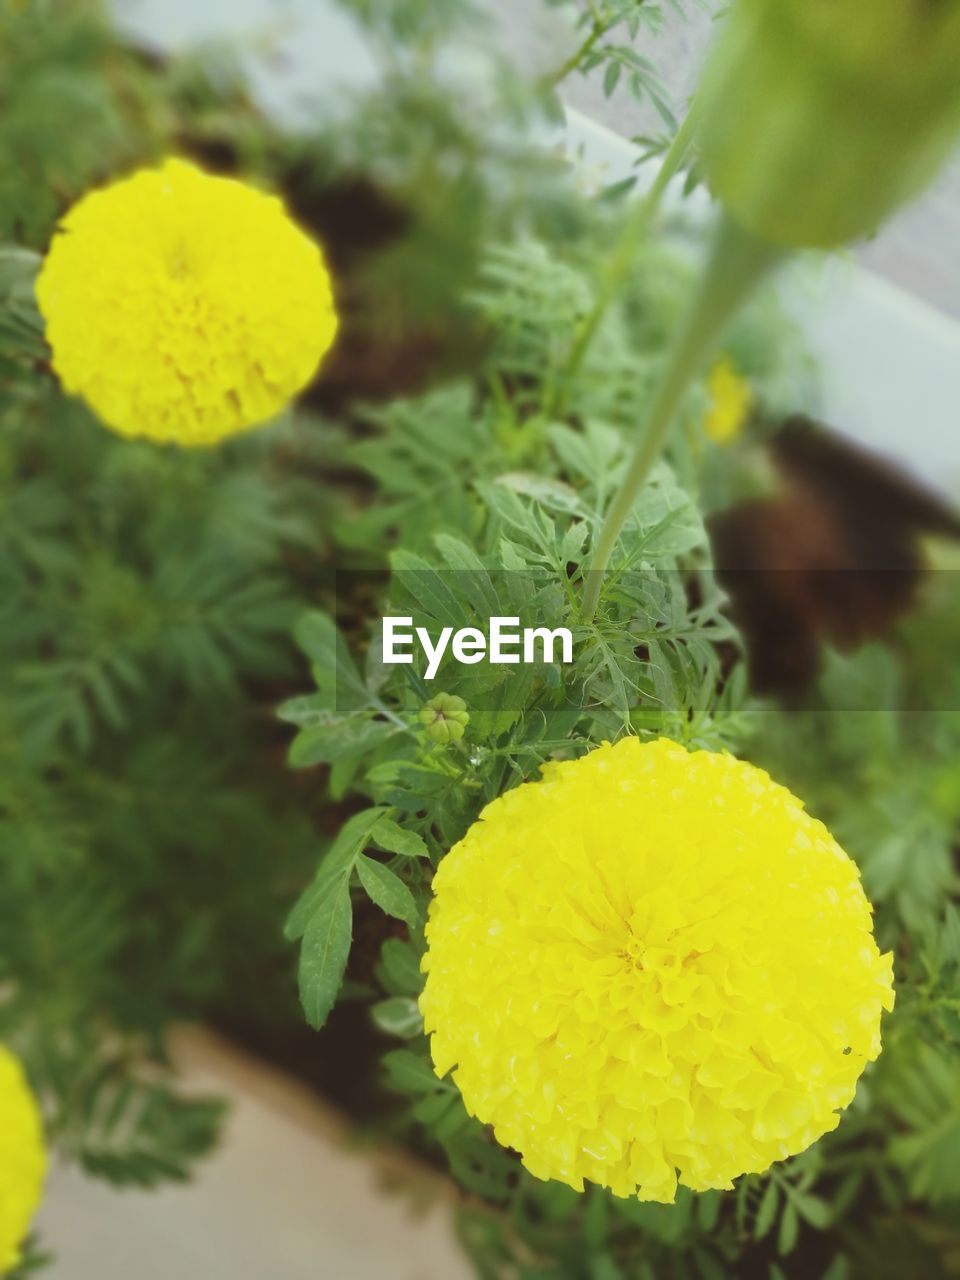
(184, 307)
(652, 962)
(731, 399)
(22, 1159)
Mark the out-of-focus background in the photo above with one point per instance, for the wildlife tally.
(917, 250)
(289, 1194)
(299, 54)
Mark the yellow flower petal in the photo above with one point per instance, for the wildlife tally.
(649, 963)
(731, 400)
(22, 1159)
(184, 307)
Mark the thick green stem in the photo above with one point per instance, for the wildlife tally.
(737, 263)
(624, 254)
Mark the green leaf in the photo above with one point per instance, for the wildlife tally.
(399, 968)
(603, 1267)
(136, 1131)
(511, 556)
(767, 1210)
(336, 737)
(839, 1269)
(708, 1209)
(391, 836)
(429, 587)
(334, 871)
(337, 677)
(305, 711)
(21, 325)
(789, 1228)
(323, 955)
(387, 891)
(550, 493)
(816, 1211)
(463, 559)
(398, 1016)
(408, 1073)
(596, 1219)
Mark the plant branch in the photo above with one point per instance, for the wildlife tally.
(621, 259)
(597, 31)
(737, 263)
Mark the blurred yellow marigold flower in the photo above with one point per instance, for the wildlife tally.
(184, 307)
(731, 399)
(22, 1159)
(652, 962)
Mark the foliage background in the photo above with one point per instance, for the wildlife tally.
(152, 840)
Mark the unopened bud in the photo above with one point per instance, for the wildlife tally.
(820, 117)
(445, 718)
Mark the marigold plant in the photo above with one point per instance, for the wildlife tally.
(184, 307)
(652, 962)
(22, 1159)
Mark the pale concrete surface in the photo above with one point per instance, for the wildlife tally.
(284, 1198)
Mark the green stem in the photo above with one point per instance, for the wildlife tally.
(624, 254)
(557, 77)
(737, 263)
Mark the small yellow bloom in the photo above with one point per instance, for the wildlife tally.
(22, 1159)
(652, 962)
(184, 307)
(731, 400)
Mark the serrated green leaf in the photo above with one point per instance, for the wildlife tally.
(337, 736)
(334, 871)
(387, 891)
(512, 557)
(323, 955)
(428, 587)
(462, 559)
(338, 679)
(389, 835)
(306, 710)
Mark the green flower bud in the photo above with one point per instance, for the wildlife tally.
(445, 718)
(820, 117)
